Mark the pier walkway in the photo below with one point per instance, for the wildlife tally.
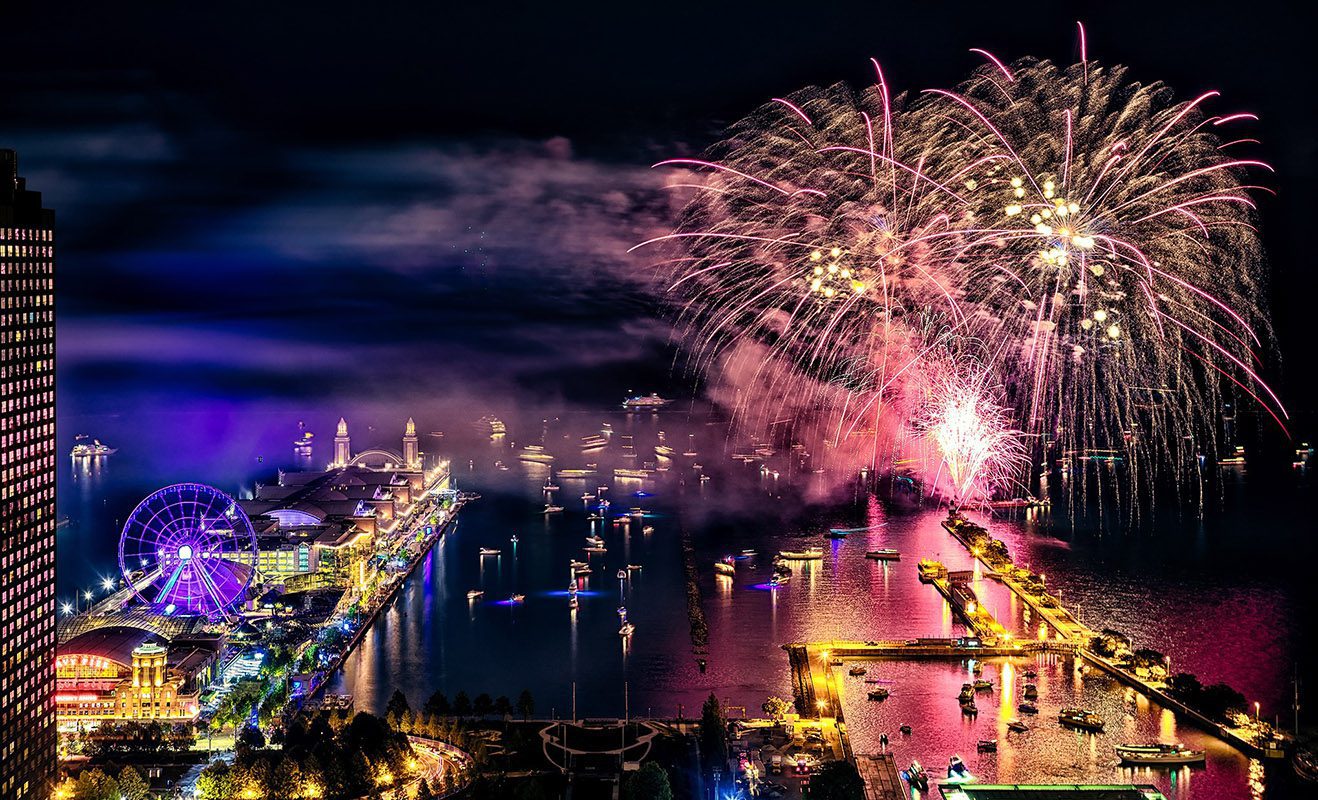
(882, 780)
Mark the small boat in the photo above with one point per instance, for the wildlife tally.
(978, 669)
(1080, 718)
(582, 570)
(967, 691)
(778, 580)
(956, 768)
(594, 517)
(81, 449)
(595, 549)
(987, 746)
(552, 509)
(648, 529)
(1029, 673)
(1017, 726)
(627, 629)
(1030, 691)
(513, 540)
(633, 567)
(502, 467)
(982, 685)
(808, 554)
(595, 541)
(550, 486)
(725, 567)
(475, 594)
(1027, 708)
(536, 453)
(904, 730)
(573, 603)
(622, 575)
(1154, 754)
(517, 599)
(490, 551)
(877, 694)
(748, 552)
(575, 564)
(969, 707)
(916, 776)
(857, 670)
(884, 554)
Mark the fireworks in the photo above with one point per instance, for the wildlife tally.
(1098, 233)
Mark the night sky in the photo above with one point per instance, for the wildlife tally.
(254, 197)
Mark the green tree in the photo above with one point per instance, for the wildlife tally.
(289, 781)
(462, 705)
(837, 780)
(438, 705)
(398, 704)
(525, 704)
(776, 708)
(132, 786)
(650, 782)
(483, 706)
(94, 784)
(423, 791)
(216, 782)
(713, 733)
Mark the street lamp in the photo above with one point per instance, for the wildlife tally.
(1256, 712)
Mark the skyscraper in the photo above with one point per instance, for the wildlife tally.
(27, 488)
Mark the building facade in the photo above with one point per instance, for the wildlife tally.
(27, 488)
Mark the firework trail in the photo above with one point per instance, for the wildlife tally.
(1098, 232)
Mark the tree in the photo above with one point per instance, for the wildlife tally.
(713, 733)
(776, 708)
(94, 784)
(502, 706)
(438, 705)
(423, 791)
(216, 782)
(398, 705)
(525, 704)
(132, 786)
(483, 706)
(462, 705)
(650, 782)
(837, 780)
(251, 737)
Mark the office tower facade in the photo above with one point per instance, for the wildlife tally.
(27, 488)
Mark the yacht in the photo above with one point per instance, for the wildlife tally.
(595, 549)
(513, 540)
(490, 551)
(647, 529)
(725, 567)
(536, 453)
(917, 777)
(649, 402)
(633, 567)
(1027, 708)
(956, 769)
(664, 451)
(879, 693)
(583, 570)
(987, 746)
(550, 486)
(491, 425)
(475, 594)
(1017, 726)
(626, 630)
(884, 554)
(930, 569)
(573, 603)
(552, 509)
(621, 575)
(982, 685)
(595, 541)
(857, 670)
(1153, 754)
(808, 554)
(577, 473)
(639, 474)
(517, 598)
(93, 449)
(1080, 718)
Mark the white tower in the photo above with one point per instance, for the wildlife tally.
(411, 448)
(342, 445)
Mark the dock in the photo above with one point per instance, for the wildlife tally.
(882, 780)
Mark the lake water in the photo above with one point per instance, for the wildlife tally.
(1218, 594)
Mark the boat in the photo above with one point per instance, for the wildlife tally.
(302, 444)
(904, 729)
(1153, 754)
(916, 776)
(1030, 691)
(490, 551)
(621, 575)
(536, 453)
(595, 541)
(1019, 502)
(627, 629)
(978, 668)
(502, 467)
(639, 474)
(778, 580)
(633, 567)
(517, 598)
(969, 707)
(595, 549)
(491, 425)
(648, 529)
(704, 478)
(884, 554)
(930, 569)
(573, 602)
(636, 511)
(748, 552)
(594, 517)
(550, 487)
(725, 567)
(1236, 459)
(982, 685)
(956, 769)
(94, 449)
(664, 451)
(1305, 765)
(582, 571)
(577, 473)
(514, 540)
(967, 692)
(552, 509)
(1029, 673)
(808, 554)
(1027, 708)
(475, 594)
(1017, 726)
(877, 694)
(1080, 718)
(987, 746)
(857, 670)
(575, 564)
(841, 533)
(649, 402)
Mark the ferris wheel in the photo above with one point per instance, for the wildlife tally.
(188, 549)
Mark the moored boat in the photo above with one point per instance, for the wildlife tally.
(725, 567)
(1027, 708)
(490, 551)
(475, 594)
(1080, 718)
(808, 554)
(1152, 754)
(1017, 726)
(877, 694)
(916, 776)
(987, 746)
